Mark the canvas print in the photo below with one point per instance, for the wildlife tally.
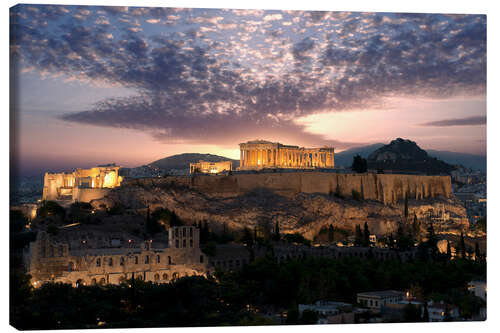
(176, 167)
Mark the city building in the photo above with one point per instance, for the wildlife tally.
(210, 167)
(441, 311)
(478, 288)
(375, 300)
(260, 154)
(330, 312)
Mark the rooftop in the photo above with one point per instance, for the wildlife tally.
(381, 294)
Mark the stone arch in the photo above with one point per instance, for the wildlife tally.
(79, 283)
(165, 276)
(94, 282)
(102, 281)
(139, 277)
(175, 276)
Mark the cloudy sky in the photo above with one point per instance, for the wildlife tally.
(131, 85)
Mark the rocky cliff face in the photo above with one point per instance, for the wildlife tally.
(297, 209)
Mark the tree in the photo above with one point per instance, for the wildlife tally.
(51, 208)
(448, 250)
(461, 246)
(416, 228)
(406, 206)
(17, 221)
(247, 237)
(432, 241)
(366, 235)
(330, 234)
(425, 316)
(358, 240)
(276, 235)
(477, 252)
(309, 317)
(359, 164)
(391, 241)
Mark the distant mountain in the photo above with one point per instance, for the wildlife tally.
(405, 156)
(181, 161)
(471, 161)
(476, 162)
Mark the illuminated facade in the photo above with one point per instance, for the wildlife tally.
(81, 184)
(261, 154)
(210, 167)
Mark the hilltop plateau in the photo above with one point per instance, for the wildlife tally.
(294, 211)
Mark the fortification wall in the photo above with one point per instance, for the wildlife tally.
(89, 194)
(387, 188)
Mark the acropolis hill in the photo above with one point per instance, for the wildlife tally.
(294, 186)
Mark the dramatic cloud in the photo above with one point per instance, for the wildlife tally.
(219, 75)
(469, 121)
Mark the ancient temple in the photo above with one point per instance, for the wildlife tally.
(261, 154)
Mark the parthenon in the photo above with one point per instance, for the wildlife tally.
(261, 154)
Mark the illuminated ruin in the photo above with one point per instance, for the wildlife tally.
(261, 154)
(210, 167)
(80, 185)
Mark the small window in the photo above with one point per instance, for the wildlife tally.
(169, 260)
(136, 260)
(157, 277)
(158, 259)
(177, 243)
(183, 232)
(146, 260)
(190, 243)
(110, 261)
(98, 262)
(176, 232)
(122, 261)
(191, 232)
(201, 259)
(183, 243)
(165, 276)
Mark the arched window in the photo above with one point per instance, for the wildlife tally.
(98, 262)
(122, 261)
(110, 261)
(157, 258)
(157, 277)
(165, 276)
